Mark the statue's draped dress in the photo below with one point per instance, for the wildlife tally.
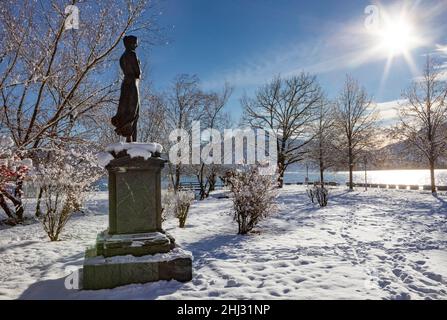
(126, 117)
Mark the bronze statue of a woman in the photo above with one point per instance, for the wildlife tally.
(126, 118)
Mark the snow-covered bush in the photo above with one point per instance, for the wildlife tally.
(14, 171)
(319, 194)
(63, 177)
(60, 202)
(253, 197)
(310, 193)
(176, 204)
(167, 203)
(322, 195)
(182, 203)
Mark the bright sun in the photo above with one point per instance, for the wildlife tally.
(396, 37)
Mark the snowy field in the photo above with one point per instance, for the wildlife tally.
(380, 244)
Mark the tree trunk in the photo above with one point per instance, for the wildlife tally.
(5, 207)
(322, 176)
(281, 171)
(281, 164)
(212, 184)
(202, 193)
(432, 177)
(351, 184)
(321, 158)
(351, 167)
(177, 177)
(18, 205)
(281, 178)
(366, 176)
(38, 212)
(202, 186)
(18, 193)
(321, 166)
(20, 211)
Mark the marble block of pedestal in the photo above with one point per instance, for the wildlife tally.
(101, 272)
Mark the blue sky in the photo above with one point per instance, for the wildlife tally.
(247, 42)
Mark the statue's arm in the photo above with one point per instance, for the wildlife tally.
(136, 64)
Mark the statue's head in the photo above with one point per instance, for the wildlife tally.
(130, 42)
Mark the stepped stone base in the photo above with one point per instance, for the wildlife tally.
(136, 244)
(101, 272)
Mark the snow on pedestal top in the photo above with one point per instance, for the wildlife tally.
(120, 146)
(104, 158)
(133, 149)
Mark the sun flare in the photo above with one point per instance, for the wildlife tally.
(397, 37)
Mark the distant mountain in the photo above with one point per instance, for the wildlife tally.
(400, 156)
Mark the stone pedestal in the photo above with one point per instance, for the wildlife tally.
(134, 195)
(135, 248)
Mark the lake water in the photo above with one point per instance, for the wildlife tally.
(404, 177)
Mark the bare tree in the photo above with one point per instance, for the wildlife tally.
(423, 116)
(321, 149)
(184, 104)
(286, 107)
(355, 121)
(50, 77)
(214, 117)
(54, 80)
(152, 125)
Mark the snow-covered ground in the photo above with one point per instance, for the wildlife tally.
(380, 244)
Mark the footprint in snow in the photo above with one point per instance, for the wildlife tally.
(384, 283)
(299, 280)
(433, 276)
(281, 265)
(232, 283)
(402, 296)
(274, 293)
(214, 294)
(197, 282)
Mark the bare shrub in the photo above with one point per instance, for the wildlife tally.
(318, 194)
(63, 177)
(310, 193)
(182, 202)
(253, 197)
(322, 195)
(60, 203)
(166, 204)
(176, 204)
